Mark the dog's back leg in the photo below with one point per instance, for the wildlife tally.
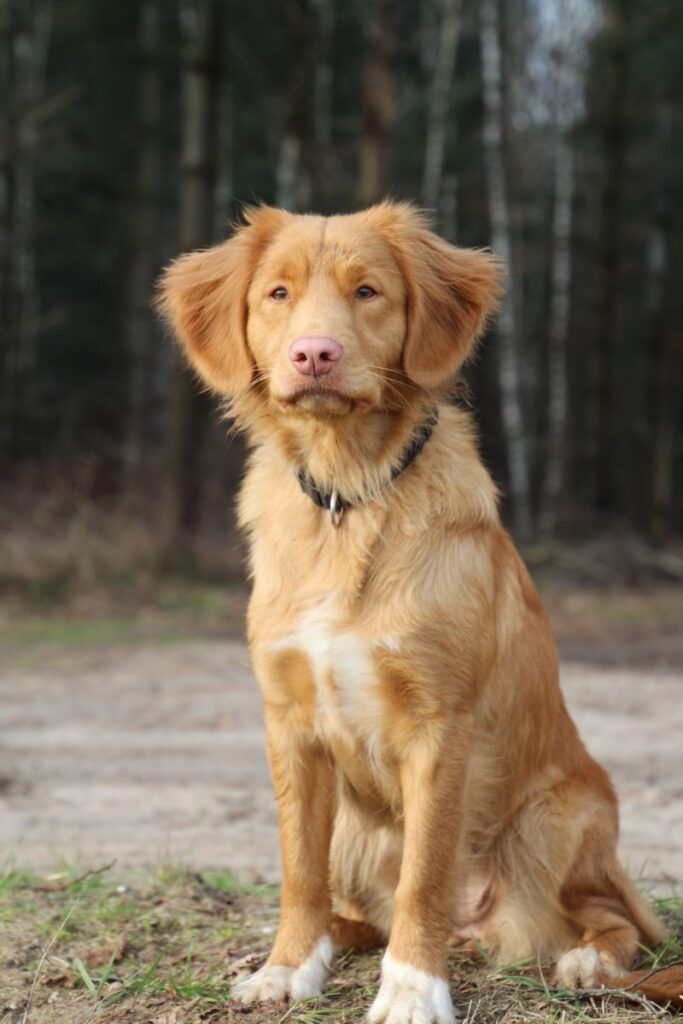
(613, 921)
(365, 861)
(353, 933)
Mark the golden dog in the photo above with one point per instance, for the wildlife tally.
(431, 785)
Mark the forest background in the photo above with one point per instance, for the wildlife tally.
(549, 131)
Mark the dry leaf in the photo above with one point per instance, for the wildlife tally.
(63, 979)
(103, 954)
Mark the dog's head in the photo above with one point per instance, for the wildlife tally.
(329, 316)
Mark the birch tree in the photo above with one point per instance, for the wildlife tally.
(438, 107)
(558, 331)
(564, 37)
(510, 383)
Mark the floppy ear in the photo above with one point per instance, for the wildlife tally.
(203, 296)
(451, 292)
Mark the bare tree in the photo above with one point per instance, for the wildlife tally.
(437, 112)
(292, 175)
(199, 89)
(662, 369)
(564, 40)
(141, 327)
(558, 333)
(322, 90)
(378, 102)
(8, 147)
(28, 33)
(616, 70)
(516, 442)
(224, 197)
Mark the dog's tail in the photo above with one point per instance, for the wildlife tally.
(660, 985)
(651, 927)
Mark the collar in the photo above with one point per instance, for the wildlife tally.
(333, 502)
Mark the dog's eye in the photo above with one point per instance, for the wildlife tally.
(279, 294)
(365, 292)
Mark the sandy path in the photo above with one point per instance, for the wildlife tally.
(156, 754)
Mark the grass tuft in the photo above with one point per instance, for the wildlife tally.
(107, 949)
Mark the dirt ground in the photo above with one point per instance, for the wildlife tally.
(153, 753)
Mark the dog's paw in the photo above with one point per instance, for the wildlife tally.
(278, 982)
(270, 982)
(584, 967)
(410, 996)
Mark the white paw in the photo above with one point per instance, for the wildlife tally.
(410, 996)
(275, 981)
(270, 982)
(584, 967)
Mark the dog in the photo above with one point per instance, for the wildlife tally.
(431, 785)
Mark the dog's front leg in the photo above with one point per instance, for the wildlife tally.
(302, 954)
(414, 986)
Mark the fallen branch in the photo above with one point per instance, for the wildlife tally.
(227, 898)
(63, 886)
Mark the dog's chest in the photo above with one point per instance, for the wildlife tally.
(348, 701)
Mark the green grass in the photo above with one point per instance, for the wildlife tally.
(131, 949)
(13, 880)
(228, 882)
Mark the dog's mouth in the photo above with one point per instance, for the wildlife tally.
(323, 397)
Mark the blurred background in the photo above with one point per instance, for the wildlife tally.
(550, 131)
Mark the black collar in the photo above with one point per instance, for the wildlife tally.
(337, 505)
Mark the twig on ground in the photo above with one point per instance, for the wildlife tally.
(591, 994)
(63, 886)
(654, 970)
(227, 898)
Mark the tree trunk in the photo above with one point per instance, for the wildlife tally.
(27, 43)
(437, 114)
(600, 419)
(293, 172)
(509, 372)
(287, 172)
(378, 102)
(199, 89)
(449, 208)
(8, 152)
(662, 372)
(558, 332)
(322, 103)
(224, 198)
(141, 327)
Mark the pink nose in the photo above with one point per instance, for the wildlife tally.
(314, 357)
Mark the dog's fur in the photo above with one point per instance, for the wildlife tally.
(431, 785)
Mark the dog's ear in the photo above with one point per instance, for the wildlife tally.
(451, 292)
(203, 296)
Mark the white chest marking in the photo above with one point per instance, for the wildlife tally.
(344, 673)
